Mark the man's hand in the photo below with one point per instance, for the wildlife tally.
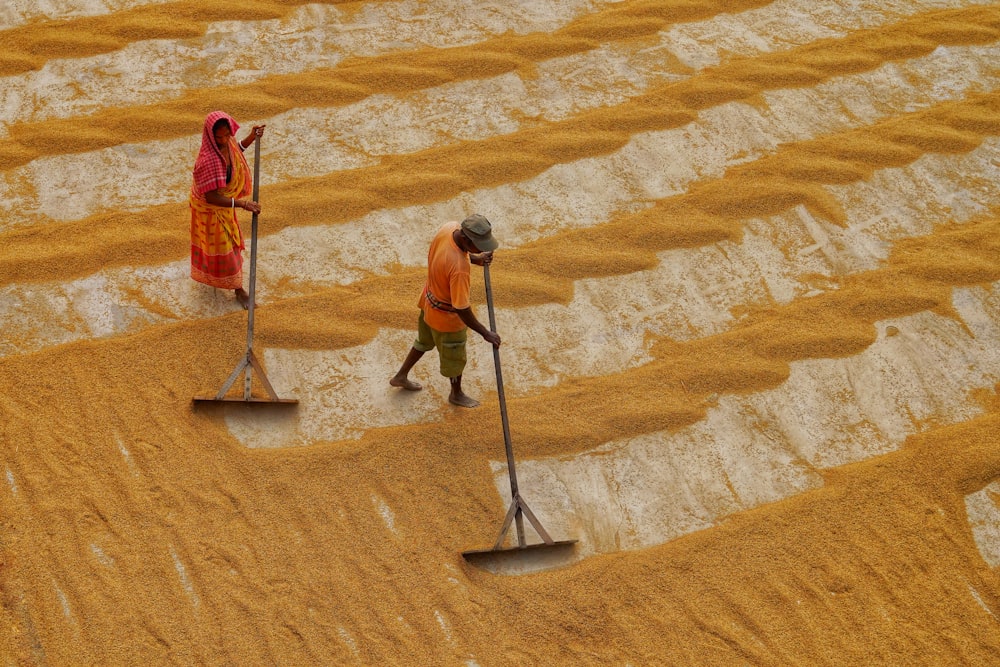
(469, 318)
(482, 258)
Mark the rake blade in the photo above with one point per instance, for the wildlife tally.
(522, 559)
(253, 399)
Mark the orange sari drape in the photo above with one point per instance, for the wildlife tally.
(216, 238)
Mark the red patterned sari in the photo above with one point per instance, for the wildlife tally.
(216, 239)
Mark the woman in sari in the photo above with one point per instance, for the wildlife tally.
(221, 184)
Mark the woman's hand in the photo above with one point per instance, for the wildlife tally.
(256, 132)
(249, 205)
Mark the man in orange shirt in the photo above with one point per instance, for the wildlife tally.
(445, 312)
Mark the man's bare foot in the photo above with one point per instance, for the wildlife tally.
(406, 383)
(463, 401)
(243, 298)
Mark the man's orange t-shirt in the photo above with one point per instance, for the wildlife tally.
(448, 277)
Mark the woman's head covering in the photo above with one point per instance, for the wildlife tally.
(209, 169)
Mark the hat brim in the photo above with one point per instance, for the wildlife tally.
(482, 243)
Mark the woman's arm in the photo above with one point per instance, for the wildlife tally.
(216, 199)
(255, 131)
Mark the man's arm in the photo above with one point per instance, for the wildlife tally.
(470, 321)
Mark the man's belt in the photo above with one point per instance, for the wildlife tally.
(438, 305)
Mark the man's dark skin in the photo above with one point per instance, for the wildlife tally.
(457, 396)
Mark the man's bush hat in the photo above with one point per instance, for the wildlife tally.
(479, 230)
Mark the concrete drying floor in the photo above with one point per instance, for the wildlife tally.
(747, 288)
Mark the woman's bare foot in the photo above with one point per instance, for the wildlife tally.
(243, 298)
(405, 383)
(463, 400)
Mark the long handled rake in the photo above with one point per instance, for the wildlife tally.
(518, 507)
(249, 362)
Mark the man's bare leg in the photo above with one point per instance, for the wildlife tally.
(458, 397)
(400, 379)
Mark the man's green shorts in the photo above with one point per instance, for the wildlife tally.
(450, 346)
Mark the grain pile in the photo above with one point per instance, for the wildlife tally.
(748, 291)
